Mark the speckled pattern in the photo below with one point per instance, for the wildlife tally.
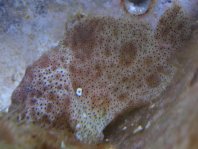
(29, 28)
(120, 63)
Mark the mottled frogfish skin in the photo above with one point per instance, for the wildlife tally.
(102, 67)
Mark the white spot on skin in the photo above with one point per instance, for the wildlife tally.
(107, 140)
(152, 106)
(148, 125)
(124, 128)
(138, 129)
(63, 145)
(78, 136)
(78, 126)
(79, 92)
(84, 115)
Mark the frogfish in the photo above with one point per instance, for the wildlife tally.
(102, 67)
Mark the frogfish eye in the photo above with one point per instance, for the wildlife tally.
(136, 7)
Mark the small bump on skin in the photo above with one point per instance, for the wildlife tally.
(153, 80)
(79, 92)
(127, 54)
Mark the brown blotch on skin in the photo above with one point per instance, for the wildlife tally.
(43, 62)
(83, 38)
(51, 97)
(125, 79)
(172, 27)
(153, 80)
(32, 102)
(49, 108)
(62, 59)
(61, 121)
(123, 97)
(107, 52)
(33, 114)
(75, 71)
(127, 54)
(59, 87)
(58, 76)
(66, 87)
(67, 101)
(148, 61)
(101, 102)
(72, 69)
(45, 120)
(98, 70)
(129, 79)
(162, 70)
(35, 93)
(29, 75)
